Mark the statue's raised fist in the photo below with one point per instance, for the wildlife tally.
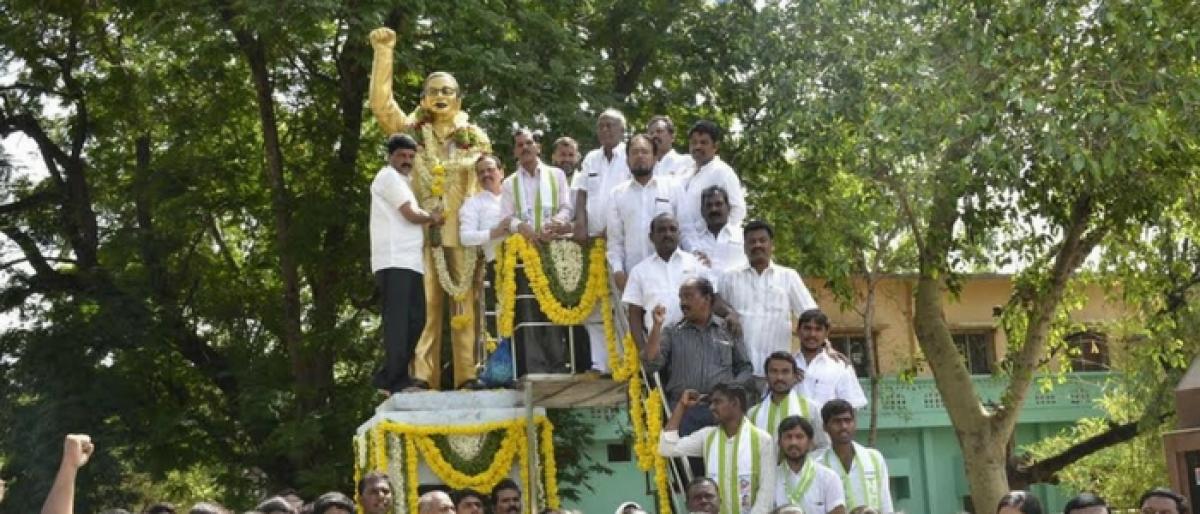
(383, 37)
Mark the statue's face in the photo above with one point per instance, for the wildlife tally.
(441, 96)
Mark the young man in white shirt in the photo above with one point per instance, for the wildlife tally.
(801, 481)
(602, 169)
(634, 203)
(537, 202)
(397, 239)
(708, 169)
(667, 162)
(825, 376)
(765, 296)
(784, 401)
(739, 456)
(863, 470)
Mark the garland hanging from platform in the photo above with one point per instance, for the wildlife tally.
(420, 440)
(595, 289)
(645, 420)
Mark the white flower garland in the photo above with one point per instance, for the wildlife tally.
(566, 258)
(460, 289)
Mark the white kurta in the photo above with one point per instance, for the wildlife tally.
(826, 378)
(715, 173)
(632, 207)
(823, 492)
(476, 219)
(767, 303)
(598, 176)
(866, 482)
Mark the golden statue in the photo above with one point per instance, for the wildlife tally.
(443, 177)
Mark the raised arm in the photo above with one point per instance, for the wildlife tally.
(383, 104)
(77, 449)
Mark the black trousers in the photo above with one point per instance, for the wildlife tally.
(403, 293)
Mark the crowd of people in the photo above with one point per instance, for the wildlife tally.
(710, 311)
(703, 494)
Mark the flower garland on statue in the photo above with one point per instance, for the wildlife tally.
(596, 289)
(418, 440)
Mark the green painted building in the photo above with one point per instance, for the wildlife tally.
(914, 435)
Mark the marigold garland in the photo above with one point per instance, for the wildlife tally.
(626, 364)
(654, 420)
(525, 494)
(417, 440)
(460, 321)
(410, 455)
(501, 463)
(517, 248)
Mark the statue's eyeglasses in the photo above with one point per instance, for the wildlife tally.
(444, 90)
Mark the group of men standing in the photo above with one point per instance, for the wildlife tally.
(706, 304)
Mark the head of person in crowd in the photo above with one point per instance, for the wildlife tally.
(333, 502)
(628, 508)
(662, 130)
(696, 297)
(160, 508)
(375, 493)
(839, 421)
(206, 508)
(566, 154)
(469, 501)
(435, 502)
(489, 172)
(1161, 500)
(795, 436)
(664, 235)
(704, 140)
(758, 239)
(788, 509)
(275, 505)
(610, 128)
(292, 496)
(1086, 503)
(639, 155)
(714, 204)
(506, 498)
(863, 509)
(441, 96)
(527, 148)
(703, 496)
(401, 151)
(1019, 502)
(782, 373)
(727, 401)
(812, 329)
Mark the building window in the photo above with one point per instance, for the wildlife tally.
(976, 349)
(1088, 351)
(855, 347)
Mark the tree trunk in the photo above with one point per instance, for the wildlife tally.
(985, 462)
(873, 368)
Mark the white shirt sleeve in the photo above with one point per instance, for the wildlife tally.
(615, 239)
(799, 298)
(886, 501)
(764, 499)
(633, 290)
(507, 204)
(849, 389)
(833, 492)
(671, 445)
(737, 199)
(468, 219)
(389, 186)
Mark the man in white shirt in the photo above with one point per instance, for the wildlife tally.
(536, 198)
(765, 296)
(863, 470)
(602, 169)
(656, 280)
(739, 456)
(801, 481)
(708, 169)
(783, 401)
(537, 202)
(634, 203)
(825, 376)
(479, 225)
(397, 239)
(720, 245)
(667, 162)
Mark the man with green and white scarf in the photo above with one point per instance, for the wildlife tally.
(738, 456)
(800, 480)
(784, 400)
